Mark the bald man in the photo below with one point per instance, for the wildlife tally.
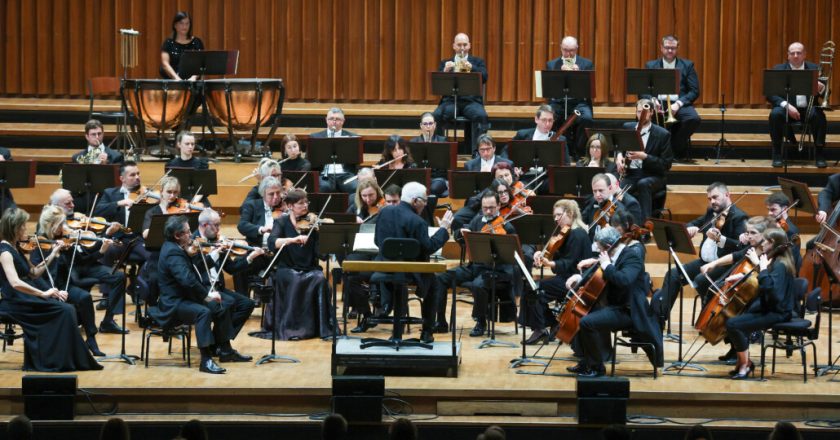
(571, 61)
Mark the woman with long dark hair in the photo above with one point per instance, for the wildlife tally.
(182, 40)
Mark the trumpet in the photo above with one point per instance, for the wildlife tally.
(461, 63)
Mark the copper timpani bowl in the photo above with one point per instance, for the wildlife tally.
(243, 103)
(162, 104)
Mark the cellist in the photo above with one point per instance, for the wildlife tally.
(775, 297)
(562, 259)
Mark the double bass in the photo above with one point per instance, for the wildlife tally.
(824, 256)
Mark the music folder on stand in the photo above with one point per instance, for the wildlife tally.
(201, 63)
(15, 174)
(456, 84)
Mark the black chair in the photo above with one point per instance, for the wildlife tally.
(627, 338)
(9, 335)
(151, 327)
(797, 333)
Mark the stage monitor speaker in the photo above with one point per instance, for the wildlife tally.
(358, 398)
(49, 397)
(602, 400)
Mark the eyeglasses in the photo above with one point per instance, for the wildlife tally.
(502, 192)
(335, 119)
(422, 199)
(485, 148)
(670, 48)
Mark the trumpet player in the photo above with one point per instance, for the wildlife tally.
(97, 152)
(797, 109)
(569, 60)
(470, 107)
(680, 111)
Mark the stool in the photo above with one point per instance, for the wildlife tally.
(626, 340)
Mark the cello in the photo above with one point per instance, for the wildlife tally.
(824, 251)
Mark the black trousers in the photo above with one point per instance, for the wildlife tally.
(738, 329)
(335, 183)
(687, 123)
(201, 316)
(594, 326)
(663, 301)
(777, 127)
(113, 282)
(480, 284)
(535, 312)
(644, 187)
(472, 110)
(240, 307)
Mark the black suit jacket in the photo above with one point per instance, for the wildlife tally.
(627, 203)
(251, 219)
(475, 163)
(401, 221)
(775, 100)
(351, 169)
(689, 84)
(435, 138)
(178, 282)
(583, 64)
(8, 200)
(114, 156)
(479, 66)
(735, 225)
(658, 148)
(829, 194)
(527, 134)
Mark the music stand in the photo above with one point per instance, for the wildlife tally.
(190, 179)
(537, 154)
(545, 204)
(345, 151)
(621, 139)
(455, 84)
(798, 191)
(120, 263)
(789, 83)
(154, 240)
(571, 180)
(563, 85)
(337, 239)
(201, 63)
(402, 176)
(338, 202)
(304, 179)
(492, 250)
(465, 184)
(652, 82)
(89, 179)
(435, 155)
(15, 174)
(673, 237)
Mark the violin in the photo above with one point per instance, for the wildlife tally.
(32, 242)
(309, 223)
(495, 226)
(183, 205)
(556, 242)
(373, 210)
(238, 248)
(86, 239)
(95, 224)
(278, 211)
(143, 194)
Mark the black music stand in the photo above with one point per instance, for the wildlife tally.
(571, 180)
(435, 155)
(563, 85)
(545, 204)
(89, 179)
(492, 250)
(537, 154)
(465, 184)
(120, 263)
(621, 139)
(402, 176)
(345, 151)
(338, 202)
(337, 239)
(154, 241)
(524, 360)
(304, 179)
(673, 237)
(202, 63)
(191, 179)
(456, 84)
(652, 82)
(15, 174)
(789, 83)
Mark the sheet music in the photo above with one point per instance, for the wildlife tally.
(525, 271)
(538, 83)
(364, 241)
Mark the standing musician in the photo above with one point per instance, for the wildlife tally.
(267, 167)
(476, 273)
(598, 154)
(470, 107)
(569, 60)
(569, 245)
(257, 216)
(604, 196)
(722, 226)
(622, 305)
(645, 170)
(367, 201)
(87, 265)
(404, 221)
(292, 158)
(97, 152)
(796, 109)
(182, 40)
(428, 126)
(51, 338)
(334, 175)
(396, 150)
(778, 206)
(681, 104)
(115, 206)
(775, 301)
(184, 298)
(301, 307)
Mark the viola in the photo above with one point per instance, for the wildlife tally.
(495, 226)
(556, 242)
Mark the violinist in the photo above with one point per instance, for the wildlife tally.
(574, 245)
(267, 167)
(604, 202)
(115, 206)
(257, 217)
(598, 154)
(502, 171)
(170, 193)
(509, 206)
(51, 338)
(721, 226)
(367, 202)
(623, 267)
(440, 182)
(645, 170)
(396, 150)
(301, 305)
(775, 301)
(87, 264)
(778, 206)
(292, 158)
(490, 221)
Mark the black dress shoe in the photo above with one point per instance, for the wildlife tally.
(94, 347)
(427, 337)
(234, 356)
(739, 376)
(210, 366)
(728, 356)
(112, 327)
(592, 372)
(537, 337)
(577, 368)
(364, 325)
(777, 163)
(102, 304)
(441, 327)
(478, 330)
(820, 162)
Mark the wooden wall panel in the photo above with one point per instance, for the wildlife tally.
(382, 50)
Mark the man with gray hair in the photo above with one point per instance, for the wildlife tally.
(256, 217)
(333, 175)
(569, 60)
(404, 221)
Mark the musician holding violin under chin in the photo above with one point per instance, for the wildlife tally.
(115, 206)
(605, 201)
(778, 206)
(257, 216)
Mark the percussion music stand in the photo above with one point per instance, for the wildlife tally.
(15, 174)
(191, 179)
(206, 62)
(304, 179)
(571, 180)
(402, 176)
(789, 83)
(492, 250)
(345, 151)
(537, 154)
(89, 178)
(338, 202)
(563, 85)
(435, 155)
(673, 237)
(465, 184)
(456, 84)
(337, 239)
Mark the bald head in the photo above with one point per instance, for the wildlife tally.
(796, 54)
(569, 47)
(461, 43)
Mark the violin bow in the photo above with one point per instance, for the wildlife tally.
(726, 210)
(604, 211)
(279, 250)
(294, 185)
(376, 167)
(44, 259)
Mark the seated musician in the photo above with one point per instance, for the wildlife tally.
(267, 167)
(543, 120)
(621, 305)
(487, 156)
(87, 265)
(511, 201)
(240, 306)
(569, 60)
(97, 152)
(720, 237)
(292, 157)
(115, 206)
(605, 189)
(52, 226)
(185, 142)
(301, 307)
(645, 170)
(476, 273)
(404, 221)
(575, 246)
(333, 176)
(828, 196)
(778, 206)
(396, 154)
(775, 301)
(8, 200)
(185, 299)
(367, 201)
(487, 161)
(598, 154)
(51, 336)
(257, 216)
(440, 184)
